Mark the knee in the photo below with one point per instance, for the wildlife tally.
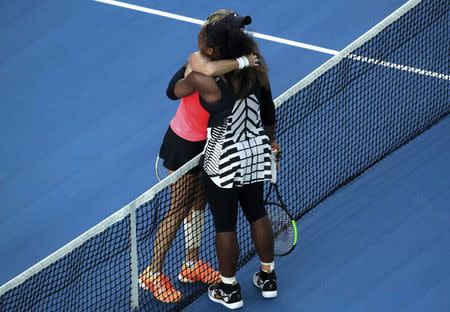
(256, 214)
(221, 226)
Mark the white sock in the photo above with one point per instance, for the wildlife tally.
(271, 266)
(198, 221)
(152, 274)
(193, 230)
(228, 280)
(189, 263)
(188, 234)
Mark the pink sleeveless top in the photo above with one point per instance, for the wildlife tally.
(191, 119)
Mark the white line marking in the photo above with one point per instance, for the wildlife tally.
(295, 43)
(152, 11)
(200, 22)
(399, 67)
(279, 40)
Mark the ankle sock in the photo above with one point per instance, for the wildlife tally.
(228, 280)
(189, 264)
(271, 266)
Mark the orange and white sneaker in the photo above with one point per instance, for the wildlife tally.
(160, 286)
(199, 272)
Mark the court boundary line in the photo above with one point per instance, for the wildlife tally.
(201, 22)
(293, 43)
(346, 52)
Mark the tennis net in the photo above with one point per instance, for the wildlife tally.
(381, 91)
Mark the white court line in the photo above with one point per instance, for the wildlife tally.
(279, 40)
(200, 22)
(400, 67)
(152, 11)
(294, 43)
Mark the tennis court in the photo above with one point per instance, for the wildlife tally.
(84, 111)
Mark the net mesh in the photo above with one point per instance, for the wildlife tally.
(92, 277)
(358, 112)
(376, 98)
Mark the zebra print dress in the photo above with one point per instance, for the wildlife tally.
(238, 151)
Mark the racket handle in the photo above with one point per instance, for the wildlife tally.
(273, 166)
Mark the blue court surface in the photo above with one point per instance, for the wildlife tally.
(379, 244)
(82, 115)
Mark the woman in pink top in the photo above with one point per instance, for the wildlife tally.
(185, 138)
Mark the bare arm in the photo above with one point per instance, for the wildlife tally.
(202, 64)
(194, 81)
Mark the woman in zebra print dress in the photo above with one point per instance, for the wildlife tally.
(184, 139)
(236, 157)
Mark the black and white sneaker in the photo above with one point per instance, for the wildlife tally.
(228, 295)
(267, 282)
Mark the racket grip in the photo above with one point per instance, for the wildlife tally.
(273, 166)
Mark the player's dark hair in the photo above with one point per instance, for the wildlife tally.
(230, 42)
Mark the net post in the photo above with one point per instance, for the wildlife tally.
(134, 293)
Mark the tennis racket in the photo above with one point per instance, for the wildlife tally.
(283, 224)
(160, 171)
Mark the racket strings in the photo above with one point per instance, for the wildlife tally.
(283, 230)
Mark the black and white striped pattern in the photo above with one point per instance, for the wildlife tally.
(238, 152)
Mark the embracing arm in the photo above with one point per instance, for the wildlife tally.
(202, 64)
(194, 81)
(170, 88)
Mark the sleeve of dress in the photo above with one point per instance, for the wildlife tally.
(267, 106)
(170, 88)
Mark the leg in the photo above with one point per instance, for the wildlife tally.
(194, 269)
(252, 202)
(152, 277)
(224, 205)
(181, 201)
(194, 223)
(262, 237)
(224, 208)
(227, 248)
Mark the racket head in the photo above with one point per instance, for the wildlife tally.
(161, 172)
(284, 227)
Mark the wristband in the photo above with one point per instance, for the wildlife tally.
(243, 62)
(247, 63)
